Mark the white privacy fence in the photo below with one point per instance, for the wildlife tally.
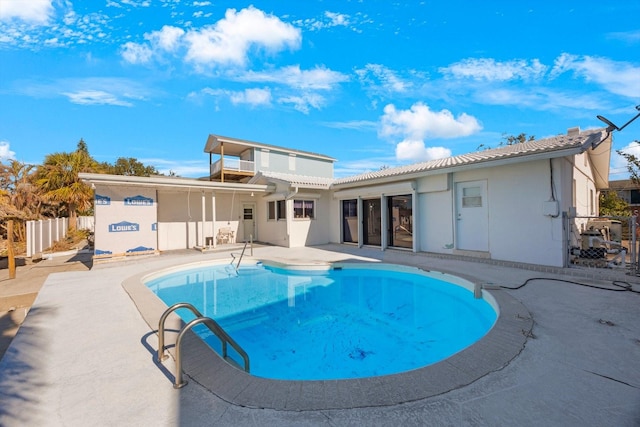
(41, 234)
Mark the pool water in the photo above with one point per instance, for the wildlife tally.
(333, 324)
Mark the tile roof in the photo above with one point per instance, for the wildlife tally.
(298, 180)
(547, 145)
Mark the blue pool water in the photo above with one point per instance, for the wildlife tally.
(334, 324)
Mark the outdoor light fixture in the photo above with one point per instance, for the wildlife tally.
(611, 127)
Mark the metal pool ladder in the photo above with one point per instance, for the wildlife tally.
(233, 256)
(200, 319)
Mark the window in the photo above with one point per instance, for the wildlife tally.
(264, 158)
(282, 209)
(271, 210)
(471, 197)
(304, 209)
(277, 210)
(292, 162)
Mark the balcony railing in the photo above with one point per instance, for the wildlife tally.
(231, 164)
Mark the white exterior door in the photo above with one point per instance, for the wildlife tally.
(249, 221)
(472, 216)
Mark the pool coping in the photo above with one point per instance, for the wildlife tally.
(202, 365)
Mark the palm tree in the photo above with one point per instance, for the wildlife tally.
(58, 178)
(18, 177)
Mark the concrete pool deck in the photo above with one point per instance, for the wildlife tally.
(85, 356)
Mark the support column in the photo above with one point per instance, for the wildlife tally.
(213, 218)
(201, 238)
(360, 222)
(10, 252)
(415, 224)
(221, 161)
(384, 222)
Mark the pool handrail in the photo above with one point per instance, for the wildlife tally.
(233, 256)
(213, 327)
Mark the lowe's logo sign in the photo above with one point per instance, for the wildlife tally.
(103, 200)
(123, 226)
(138, 201)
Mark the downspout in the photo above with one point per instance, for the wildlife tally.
(290, 196)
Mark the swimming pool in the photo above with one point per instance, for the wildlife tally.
(348, 321)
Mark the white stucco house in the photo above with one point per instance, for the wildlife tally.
(506, 203)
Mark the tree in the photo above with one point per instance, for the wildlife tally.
(17, 179)
(512, 140)
(633, 164)
(130, 167)
(82, 146)
(613, 205)
(509, 140)
(58, 178)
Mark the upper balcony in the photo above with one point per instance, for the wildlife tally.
(230, 169)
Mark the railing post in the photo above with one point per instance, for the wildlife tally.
(40, 229)
(219, 332)
(29, 239)
(161, 356)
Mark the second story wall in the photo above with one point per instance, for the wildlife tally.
(297, 164)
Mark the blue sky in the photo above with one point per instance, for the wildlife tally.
(370, 83)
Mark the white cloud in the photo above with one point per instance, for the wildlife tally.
(356, 167)
(86, 91)
(304, 102)
(5, 152)
(253, 97)
(136, 3)
(319, 78)
(167, 39)
(329, 20)
(416, 151)
(96, 97)
(628, 36)
(419, 123)
(381, 77)
(229, 41)
(620, 162)
(337, 19)
(620, 78)
(632, 148)
(487, 69)
(32, 11)
(135, 53)
(353, 124)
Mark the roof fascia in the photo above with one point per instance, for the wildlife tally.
(179, 183)
(457, 168)
(213, 141)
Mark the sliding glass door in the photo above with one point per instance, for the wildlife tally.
(372, 222)
(350, 221)
(400, 221)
